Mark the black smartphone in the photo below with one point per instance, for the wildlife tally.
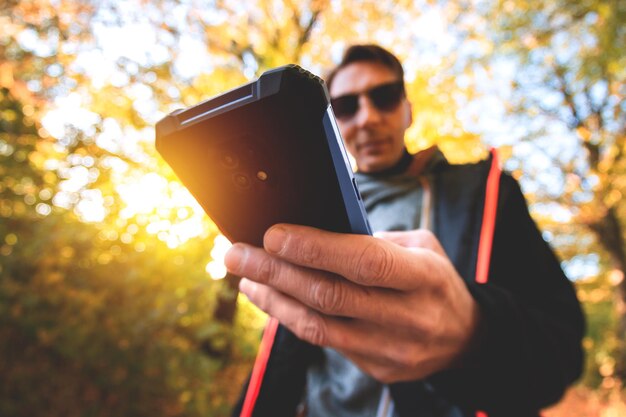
(264, 153)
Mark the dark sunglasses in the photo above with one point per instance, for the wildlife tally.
(385, 97)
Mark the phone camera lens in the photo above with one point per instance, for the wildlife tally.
(241, 180)
(229, 160)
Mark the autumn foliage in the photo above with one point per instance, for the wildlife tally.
(108, 302)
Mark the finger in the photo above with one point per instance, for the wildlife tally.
(362, 259)
(304, 322)
(419, 238)
(354, 337)
(324, 292)
(373, 348)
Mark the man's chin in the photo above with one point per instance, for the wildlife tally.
(374, 164)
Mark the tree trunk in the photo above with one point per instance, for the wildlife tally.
(224, 314)
(227, 301)
(621, 329)
(610, 235)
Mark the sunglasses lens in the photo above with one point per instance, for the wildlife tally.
(387, 97)
(345, 106)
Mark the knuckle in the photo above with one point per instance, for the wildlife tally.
(312, 329)
(267, 270)
(375, 265)
(424, 327)
(309, 251)
(414, 324)
(426, 234)
(440, 289)
(328, 297)
(406, 359)
(425, 239)
(432, 243)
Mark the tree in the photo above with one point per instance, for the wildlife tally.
(103, 286)
(567, 91)
(104, 303)
(99, 314)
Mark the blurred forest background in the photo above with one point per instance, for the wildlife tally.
(111, 302)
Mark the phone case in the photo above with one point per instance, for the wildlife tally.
(264, 153)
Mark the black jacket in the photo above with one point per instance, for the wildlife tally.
(532, 324)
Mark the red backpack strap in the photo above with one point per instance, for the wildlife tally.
(489, 224)
(258, 371)
(489, 220)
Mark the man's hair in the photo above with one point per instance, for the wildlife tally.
(367, 53)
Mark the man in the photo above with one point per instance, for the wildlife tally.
(396, 325)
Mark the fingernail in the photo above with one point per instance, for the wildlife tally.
(247, 287)
(275, 239)
(235, 258)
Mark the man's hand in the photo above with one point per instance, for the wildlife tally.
(394, 306)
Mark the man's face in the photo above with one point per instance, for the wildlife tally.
(374, 137)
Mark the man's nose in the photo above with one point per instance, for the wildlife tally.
(367, 114)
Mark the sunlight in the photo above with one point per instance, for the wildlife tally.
(90, 207)
(143, 195)
(215, 268)
(69, 111)
(174, 215)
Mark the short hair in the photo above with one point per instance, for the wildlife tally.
(367, 53)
